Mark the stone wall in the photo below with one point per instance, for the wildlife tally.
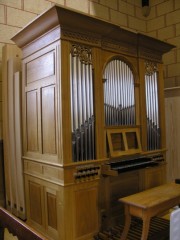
(164, 23)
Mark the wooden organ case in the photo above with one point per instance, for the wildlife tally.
(92, 98)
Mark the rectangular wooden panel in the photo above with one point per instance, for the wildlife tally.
(41, 67)
(35, 202)
(154, 176)
(48, 120)
(172, 103)
(11, 143)
(32, 121)
(18, 145)
(52, 210)
(86, 214)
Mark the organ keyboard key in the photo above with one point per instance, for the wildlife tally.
(117, 167)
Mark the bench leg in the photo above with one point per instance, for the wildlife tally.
(145, 230)
(1, 233)
(127, 224)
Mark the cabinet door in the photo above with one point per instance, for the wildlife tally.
(42, 210)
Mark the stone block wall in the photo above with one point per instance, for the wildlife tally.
(164, 23)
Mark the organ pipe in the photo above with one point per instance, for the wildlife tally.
(152, 106)
(82, 104)
(119, 101)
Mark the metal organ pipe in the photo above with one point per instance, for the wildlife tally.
(152, 107)
(82, 105)
(119, 99)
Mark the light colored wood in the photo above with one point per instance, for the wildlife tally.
(18, 145)
(161, 104)
(64, 102)
(71, 207)
(45, 66)
(99, 101)
(152, 177)
(8, 52)
(121, 143)
(148, 204)
(12, 130)
(142, 93)
(49, 144)
(172, 101)
(39, 102)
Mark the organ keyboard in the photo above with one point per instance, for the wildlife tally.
(117, 167)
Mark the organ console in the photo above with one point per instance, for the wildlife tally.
(118, 167)
(92, 120)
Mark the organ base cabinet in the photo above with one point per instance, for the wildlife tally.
(61, 211)
(92, 120)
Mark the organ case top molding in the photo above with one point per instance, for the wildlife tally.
(84, 28)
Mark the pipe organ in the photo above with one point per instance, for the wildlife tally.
(92, 121)
(119, 102)
(82, 104)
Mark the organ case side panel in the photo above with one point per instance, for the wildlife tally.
(48, 120)
(40, 116)
(32, 121)
(64, 102)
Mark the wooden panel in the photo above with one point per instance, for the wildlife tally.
(42, 42)
(52, 210)
(11, 127)
(18, 145)
(161, 105)
(35, 202)
(152, 177)
(172, 103)
(32, 121)
(41, 67)
(48, 120)
(86, 216)
(12, 130)
(33, 167)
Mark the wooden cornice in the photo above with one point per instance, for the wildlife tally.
(73, 24)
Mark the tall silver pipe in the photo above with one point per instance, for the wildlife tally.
(82, 105)
(119, 94)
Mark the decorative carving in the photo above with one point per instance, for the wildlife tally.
(78, 36)
(84, 53)
(150, 68)
(122, 47)
(149, 55)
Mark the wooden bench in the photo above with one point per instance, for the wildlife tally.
(17, 227)
(148, 204)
